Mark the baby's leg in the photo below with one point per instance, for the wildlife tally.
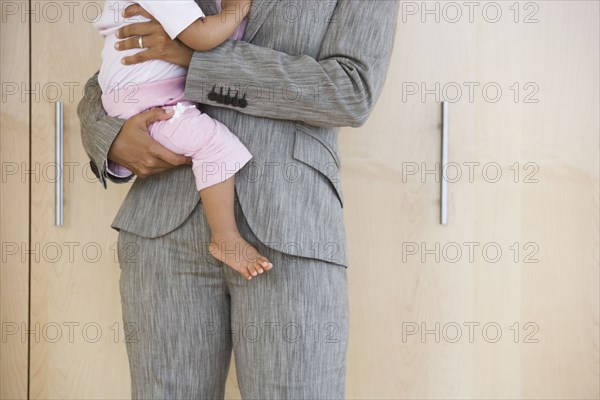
(211, 144)
(227, 244)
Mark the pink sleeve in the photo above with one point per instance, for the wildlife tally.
(117, 169)
(173, 15)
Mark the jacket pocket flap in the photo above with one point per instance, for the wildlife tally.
(313, 152)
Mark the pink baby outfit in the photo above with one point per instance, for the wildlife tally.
(217, 154)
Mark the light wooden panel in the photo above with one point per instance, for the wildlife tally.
(561, 292)
(557, 217)
(14, 198)
(82, 288)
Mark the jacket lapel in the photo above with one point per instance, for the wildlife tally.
(259, 11)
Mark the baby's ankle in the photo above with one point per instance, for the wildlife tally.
(226, 236)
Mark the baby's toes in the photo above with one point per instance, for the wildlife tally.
(252, 270)
(246, 274)
(264, 263)
(259, 268)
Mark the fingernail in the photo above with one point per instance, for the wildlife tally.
(260, 271)
(117, 45)
(122, 61)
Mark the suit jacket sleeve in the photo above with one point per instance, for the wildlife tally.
(98, 131)
(338, 88)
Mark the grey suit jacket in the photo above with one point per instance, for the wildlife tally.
(304, 68)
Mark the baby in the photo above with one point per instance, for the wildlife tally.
(216, 152)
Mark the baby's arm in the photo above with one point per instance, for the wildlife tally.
(209, 32)
(184, 20)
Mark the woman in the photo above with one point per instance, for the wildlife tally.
(304, 69)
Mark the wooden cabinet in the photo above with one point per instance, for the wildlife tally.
(519, 256)
(68, 290)
(502, 302)
(14, 204)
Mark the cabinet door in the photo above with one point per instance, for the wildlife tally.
(78, 348)
(503, 301)
(14, 199)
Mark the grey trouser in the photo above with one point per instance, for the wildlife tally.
(184, 311)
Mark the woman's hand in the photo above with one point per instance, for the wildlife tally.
(158, 44)
(136, 150)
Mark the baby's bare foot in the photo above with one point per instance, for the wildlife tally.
(240, 255)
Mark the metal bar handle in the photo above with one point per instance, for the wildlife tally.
(59, 163)
(444, 164)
